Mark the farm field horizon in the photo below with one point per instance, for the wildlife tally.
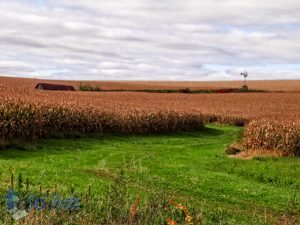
(264, 85)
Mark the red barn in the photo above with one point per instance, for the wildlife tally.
(54, 87)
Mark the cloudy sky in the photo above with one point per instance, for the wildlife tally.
(150, 39)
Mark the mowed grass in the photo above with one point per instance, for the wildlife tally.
(190, 166)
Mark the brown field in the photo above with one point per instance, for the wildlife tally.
(22, 106)
(248, 105)
(278, 85)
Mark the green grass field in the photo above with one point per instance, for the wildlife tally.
(191, 166)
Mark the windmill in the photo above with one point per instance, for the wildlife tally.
(245, 87)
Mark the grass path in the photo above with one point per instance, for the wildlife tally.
(191, 166)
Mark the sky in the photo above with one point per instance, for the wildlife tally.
(177, 40)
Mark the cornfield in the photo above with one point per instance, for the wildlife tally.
(24, 121)
(26, 113)
(283, 136)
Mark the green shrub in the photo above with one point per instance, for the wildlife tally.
(88, 87)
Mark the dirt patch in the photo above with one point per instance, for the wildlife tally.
(289, 220)
(237, 150)
(250, 154)
(234, 149)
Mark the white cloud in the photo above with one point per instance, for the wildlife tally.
(150, 39)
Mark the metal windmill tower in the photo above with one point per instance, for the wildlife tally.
(245, 87)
